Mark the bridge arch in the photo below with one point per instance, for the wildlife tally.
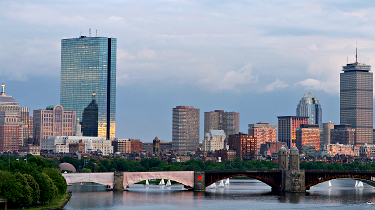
(313, 178)
(183, 177)
(270, 178)
(104, 178)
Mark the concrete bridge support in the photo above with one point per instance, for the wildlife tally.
(118, 181)
(199, 181)
(293, 180)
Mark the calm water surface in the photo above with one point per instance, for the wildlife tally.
(241, 194)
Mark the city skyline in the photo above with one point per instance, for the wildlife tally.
(234, 56)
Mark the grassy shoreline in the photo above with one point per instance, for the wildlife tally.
(57, 203)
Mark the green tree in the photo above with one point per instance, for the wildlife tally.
(35, 193)
(10, 187)
(57, 179)
(52, 187)
(26, 197)
(44, 189)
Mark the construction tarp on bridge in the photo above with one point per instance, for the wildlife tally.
(183, 177)
(105, 178)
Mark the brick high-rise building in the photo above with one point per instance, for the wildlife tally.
(245, 146)
(53, 121)
(308, 135)
(221, 120)
(287, 126)
(263, 132)
(11, 129)
(185, 129)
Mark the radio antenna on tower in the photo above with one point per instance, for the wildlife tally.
(356, 52)
(89, 32)
(96, 32)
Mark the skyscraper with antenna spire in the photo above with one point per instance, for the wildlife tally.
(88, 65)
(356, 100)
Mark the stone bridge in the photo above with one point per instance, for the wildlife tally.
(285, 179)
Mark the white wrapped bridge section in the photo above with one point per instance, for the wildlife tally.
(183, 177)
(105, 178)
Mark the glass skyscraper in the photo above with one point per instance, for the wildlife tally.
(356, 100)
(310, 107)
(88, 65)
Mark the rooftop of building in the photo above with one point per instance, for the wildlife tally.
(215, 132)
(356, 67)
(7, 100)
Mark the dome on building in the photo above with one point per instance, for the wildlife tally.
(308, 96)
(7, 100)
(294, 151)
(67, 167)
(282, 149)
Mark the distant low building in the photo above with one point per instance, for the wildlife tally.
(367, 150)
(60, 144)
(29, 149)
(343, 134)
(224, 155)
(122, 146)
(339, 149)
(269, 148)
(214, 140)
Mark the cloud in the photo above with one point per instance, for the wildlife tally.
(277, 84)
(146, 53)
(114, 19)
(230, 80)
(313, 84)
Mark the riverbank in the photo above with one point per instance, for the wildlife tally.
(57, 203)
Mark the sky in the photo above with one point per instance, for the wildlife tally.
(257, 58)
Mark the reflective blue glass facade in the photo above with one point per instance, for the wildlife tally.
(88, 65)
(309, 106)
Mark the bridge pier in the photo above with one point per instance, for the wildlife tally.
(292, 180)
(199, 181)
(118, 181)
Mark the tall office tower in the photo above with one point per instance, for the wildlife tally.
(11, 135)
(356, 100)
(88, 65)
(310, 107)
(185, 129)
(263, 132)
(327, 127)
(220, 120)
(287, 126)
(53, 121)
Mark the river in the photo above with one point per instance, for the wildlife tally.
(241, 194)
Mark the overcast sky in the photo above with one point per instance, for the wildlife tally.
(257, 58)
